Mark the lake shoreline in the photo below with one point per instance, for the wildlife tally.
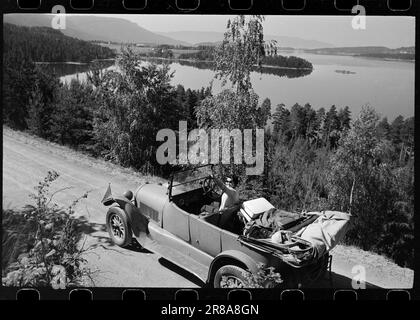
(212, 61)
(166, 59)
(381, 84)
(74, 62)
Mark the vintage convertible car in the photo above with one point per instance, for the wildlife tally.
(169, 219)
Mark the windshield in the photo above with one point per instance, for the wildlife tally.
(191, 179)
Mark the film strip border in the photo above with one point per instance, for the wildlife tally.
(288, 7)
(315, 7)
(191, 295)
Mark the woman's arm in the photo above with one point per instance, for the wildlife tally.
(219, 182)
(222, 203)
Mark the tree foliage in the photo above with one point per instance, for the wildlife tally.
(18, 87)
(72, 119)
(229, 110)
(134, 104)
(364, 180)
(237, 107)
(42, 104)
(242, 48)
(365, 172)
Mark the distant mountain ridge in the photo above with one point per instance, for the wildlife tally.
(403, 53)
(95, 28)
(119, 30)
(213, 38)
(363, 50)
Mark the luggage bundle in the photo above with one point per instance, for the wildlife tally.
(300, 238)
(266, 224)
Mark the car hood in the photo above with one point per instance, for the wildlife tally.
(152, 195)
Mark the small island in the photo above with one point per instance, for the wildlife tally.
(345, 72)
(289, 62)
(203, 57)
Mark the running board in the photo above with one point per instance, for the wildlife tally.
(177, 251)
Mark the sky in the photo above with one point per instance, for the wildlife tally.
(390, 31)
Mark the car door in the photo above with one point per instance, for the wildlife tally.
(205, 236)
(176, 221)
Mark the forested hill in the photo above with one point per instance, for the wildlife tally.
(403, 53)
(48, 45)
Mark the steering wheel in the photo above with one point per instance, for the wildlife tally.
(211, 188)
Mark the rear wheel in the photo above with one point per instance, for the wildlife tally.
(230, 276)
(118, 227)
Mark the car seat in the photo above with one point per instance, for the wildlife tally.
(210, 208)
(226, 219)
(210, 213)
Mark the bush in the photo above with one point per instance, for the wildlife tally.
(41, 243)
(265, 277)
(18, 236)
(298, 176)
(397, 236)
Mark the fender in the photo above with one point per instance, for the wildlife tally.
(138, 222)
(231, 257)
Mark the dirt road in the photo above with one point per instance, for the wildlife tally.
(27, 159)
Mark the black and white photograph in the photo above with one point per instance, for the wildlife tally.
(208, 151)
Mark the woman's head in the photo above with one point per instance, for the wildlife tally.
(231, 181)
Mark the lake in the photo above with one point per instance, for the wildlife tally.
(388, 86)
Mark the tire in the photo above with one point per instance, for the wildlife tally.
(229, 276)
(118, 227)
(315, 272)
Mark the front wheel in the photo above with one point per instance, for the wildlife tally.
(118, 227)
(230, 276)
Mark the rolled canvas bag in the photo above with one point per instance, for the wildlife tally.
(280, 219)
(326, 231)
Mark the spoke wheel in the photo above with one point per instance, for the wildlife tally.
(118, 227)
(230, 276)
(231, 282)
